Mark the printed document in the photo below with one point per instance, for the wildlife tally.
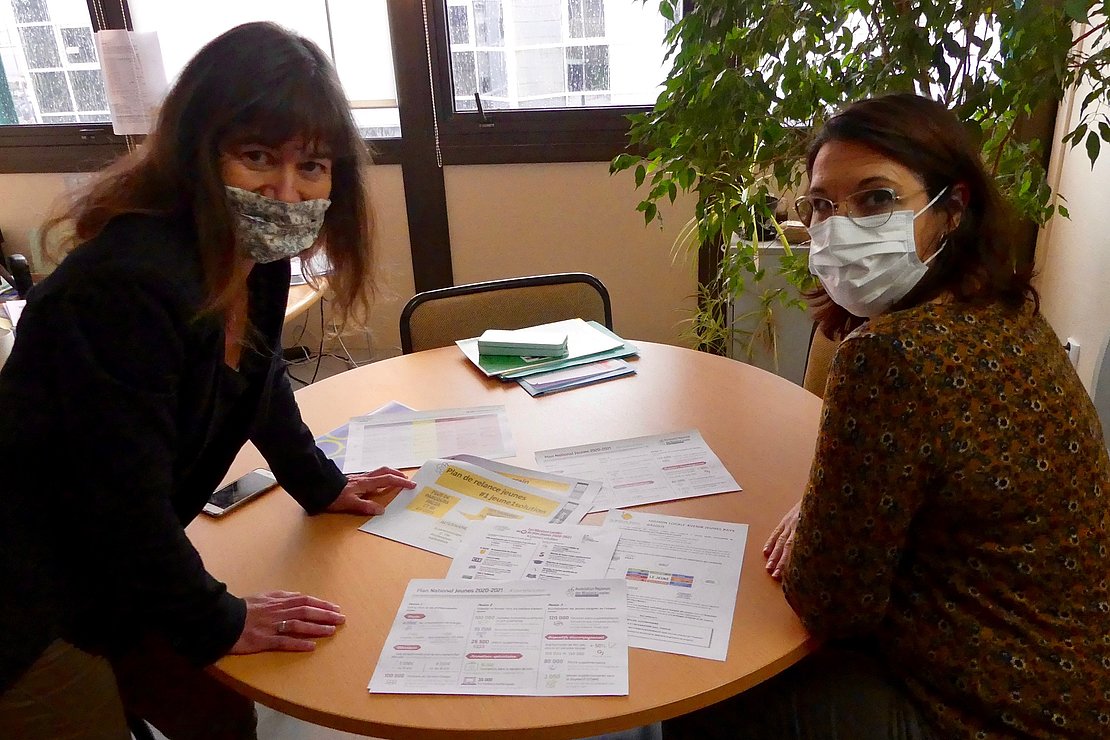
(134, 78)
(450, 495)
(682, 576)
(407, 439)
(502, 551)
(510, 638)
(334, 443)
(644, 470)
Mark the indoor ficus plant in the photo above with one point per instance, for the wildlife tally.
(751, 79)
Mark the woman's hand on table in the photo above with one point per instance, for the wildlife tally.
(781, 543)
(355, 498)
(284, 620)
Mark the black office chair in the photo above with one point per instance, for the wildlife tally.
(15, 270)
(436, 318)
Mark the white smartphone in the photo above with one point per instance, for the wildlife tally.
(239, 492)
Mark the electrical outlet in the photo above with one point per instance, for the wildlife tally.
(1073, 351)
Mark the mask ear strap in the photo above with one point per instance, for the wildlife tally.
(930, 203)
(943, 244)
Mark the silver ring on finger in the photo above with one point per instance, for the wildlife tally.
(281, 626)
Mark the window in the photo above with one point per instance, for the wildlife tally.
(354, 32)
(529, 54)
(49, 72)
(547, 72)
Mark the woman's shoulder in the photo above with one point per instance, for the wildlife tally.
(947, 322)
(134, 251)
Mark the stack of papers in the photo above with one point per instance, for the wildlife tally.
(587, 341)
(554, 381)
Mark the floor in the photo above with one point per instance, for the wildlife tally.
(277, 726)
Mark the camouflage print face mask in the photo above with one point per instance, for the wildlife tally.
(267, 230)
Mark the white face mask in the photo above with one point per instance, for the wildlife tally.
(866, 269)
(268, 230)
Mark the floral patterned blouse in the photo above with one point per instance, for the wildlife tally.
(958, 513)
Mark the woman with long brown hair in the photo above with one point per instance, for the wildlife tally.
(953, 543)
(142, 365)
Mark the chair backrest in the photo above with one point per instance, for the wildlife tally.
(1102, 392)
(818, 362)
(436, 318)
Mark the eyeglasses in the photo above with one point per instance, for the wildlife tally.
(864, 204)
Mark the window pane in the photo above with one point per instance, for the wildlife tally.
(88, 90)
(52, 92)
(539, 72)
(489, 23)
(458, 25)
(354, 32)
(44, 48)
(40, 46)
(587, 71)
(546, 64)
(466, 83)
(79, 47)
(585, 18)
(537, 22)
(30, 11)
(492, 77)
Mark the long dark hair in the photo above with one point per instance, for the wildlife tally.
(979, 261)
(261, 83)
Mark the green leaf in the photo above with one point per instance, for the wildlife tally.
(666, 10)
(641, 173)
(1094, 143)
(622, 162)
(649, 213)
(1076, 10)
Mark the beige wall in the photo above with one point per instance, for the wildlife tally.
(509, 220)
(506, 220)
(1073, 255)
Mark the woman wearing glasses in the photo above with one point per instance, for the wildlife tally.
(952, 545)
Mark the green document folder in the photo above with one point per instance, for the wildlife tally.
(587, 341)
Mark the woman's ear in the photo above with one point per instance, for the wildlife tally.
(957, 203)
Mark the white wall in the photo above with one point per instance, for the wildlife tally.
(1073, 255)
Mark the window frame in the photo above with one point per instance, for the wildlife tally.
(87, 147)
(65, 147)
(518, 136)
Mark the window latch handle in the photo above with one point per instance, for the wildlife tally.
(485, 121)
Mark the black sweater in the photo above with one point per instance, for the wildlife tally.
(118, 418)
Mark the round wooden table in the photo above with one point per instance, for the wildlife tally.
(762, 427)
(302, 297)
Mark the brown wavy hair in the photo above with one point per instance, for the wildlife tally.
(257, 82)
(980, 261)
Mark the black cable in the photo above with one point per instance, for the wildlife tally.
(320, 353)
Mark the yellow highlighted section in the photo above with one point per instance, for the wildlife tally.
(432, 502)
(476, 486)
